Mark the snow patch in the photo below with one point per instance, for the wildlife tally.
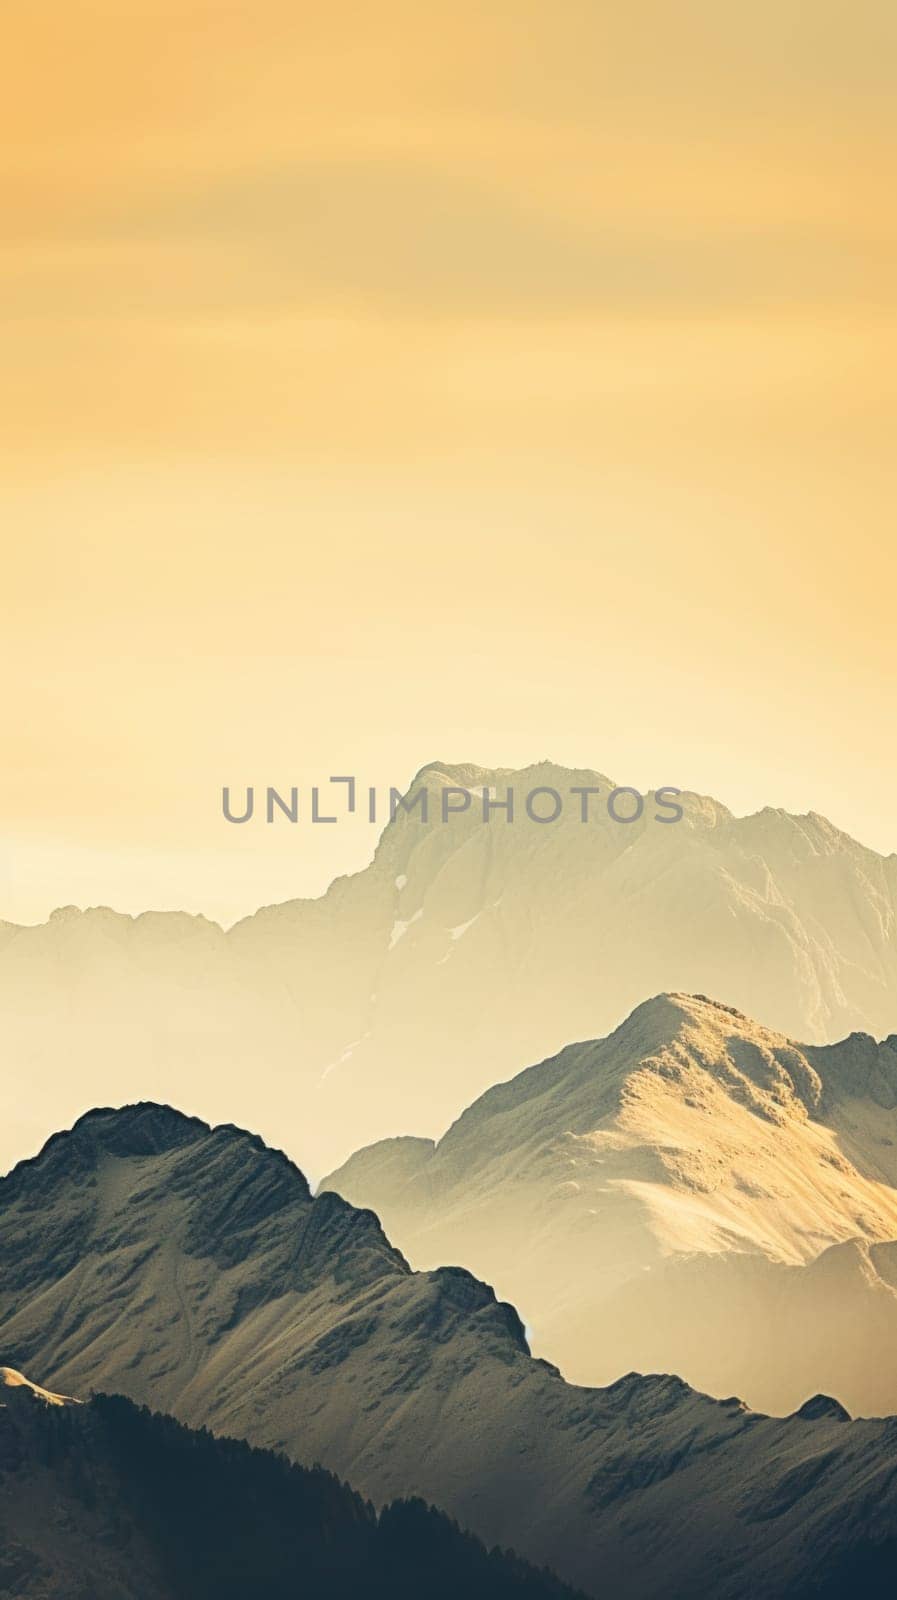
(399, 929)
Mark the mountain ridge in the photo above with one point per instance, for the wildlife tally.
(463, 774)
(391, 1001)
(627, 1188)
(301, 1330)
(112, 1502)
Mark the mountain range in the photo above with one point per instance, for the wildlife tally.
(190, 1269)
(694, 1193)
(106, 1501)
(463, 950)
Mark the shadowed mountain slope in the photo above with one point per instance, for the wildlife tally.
(189, 1268)
(108, 1502)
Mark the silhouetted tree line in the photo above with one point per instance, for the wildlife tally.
(230, 1522)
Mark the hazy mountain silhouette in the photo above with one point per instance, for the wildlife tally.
(464, 949)
(694, 1193)
(190, 1268)
(108, 1502)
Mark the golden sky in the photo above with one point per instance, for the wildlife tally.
(471, 381)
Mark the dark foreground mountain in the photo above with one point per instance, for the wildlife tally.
(695, 1194)
(108, 1502)
(465, 948)
(190, 1269)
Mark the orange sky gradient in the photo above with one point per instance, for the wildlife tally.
(478, 382)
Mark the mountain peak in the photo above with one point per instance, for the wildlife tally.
(143, 1128)
(669, 1036)
(693, 1158)
(465, 948)
(822, 1408)
(245, 1181)
(190, 1281)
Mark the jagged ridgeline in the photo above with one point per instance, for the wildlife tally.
(463, 951)
(145, 1508)
(695, 1193)
(191, 1269)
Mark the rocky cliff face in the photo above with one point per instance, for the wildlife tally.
(189, 1268)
